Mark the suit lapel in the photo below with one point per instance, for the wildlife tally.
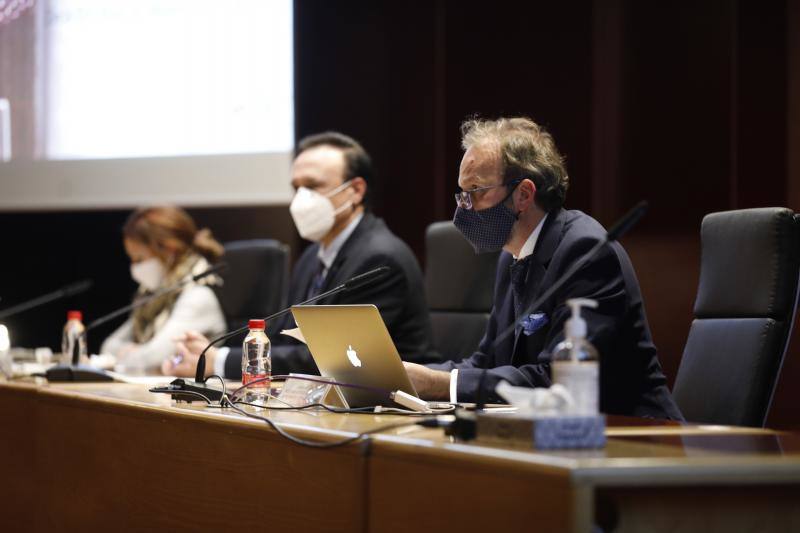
(546, 245)
(301, 278)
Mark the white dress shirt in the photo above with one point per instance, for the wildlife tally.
(525, 251)
(328, 254)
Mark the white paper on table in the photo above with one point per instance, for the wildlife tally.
(104, 361)
(140, 380)
(294, 333)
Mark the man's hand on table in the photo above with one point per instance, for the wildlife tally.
(430, 384)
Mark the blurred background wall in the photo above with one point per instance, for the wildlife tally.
(691, 105)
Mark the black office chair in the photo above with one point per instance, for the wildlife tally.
(459, 284)
(744, 311)
(256, 282)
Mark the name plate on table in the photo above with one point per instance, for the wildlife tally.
(542, 433)
(300, 392)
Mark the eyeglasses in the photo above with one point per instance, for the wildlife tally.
(464, 198)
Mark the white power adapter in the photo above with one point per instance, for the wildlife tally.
(410, 402)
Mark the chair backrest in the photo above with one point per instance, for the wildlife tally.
(256, 282)
(744, 311)
(459, 284)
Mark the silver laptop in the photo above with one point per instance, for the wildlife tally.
(350, 344)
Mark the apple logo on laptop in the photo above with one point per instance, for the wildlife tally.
(353, 356)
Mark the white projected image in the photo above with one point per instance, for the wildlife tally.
(163, 78)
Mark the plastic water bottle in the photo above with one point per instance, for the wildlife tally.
(74, 334)
(256, 363)
(575, 363)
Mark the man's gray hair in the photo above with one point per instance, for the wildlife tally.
(526, 150)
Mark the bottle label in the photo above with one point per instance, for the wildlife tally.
(261, 377)
(582, 381)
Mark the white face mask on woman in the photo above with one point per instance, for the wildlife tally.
(313, 213)
(148, 273)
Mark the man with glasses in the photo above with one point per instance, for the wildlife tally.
(513, 184)
(330, 175)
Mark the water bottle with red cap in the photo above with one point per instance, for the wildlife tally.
(256, 363)
(74, 334)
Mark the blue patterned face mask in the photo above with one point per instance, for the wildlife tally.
(488, 229)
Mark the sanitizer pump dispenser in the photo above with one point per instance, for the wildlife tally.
(575, 364)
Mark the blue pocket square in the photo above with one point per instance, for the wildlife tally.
(533, 322)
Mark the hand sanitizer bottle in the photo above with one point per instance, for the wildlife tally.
(575, 364)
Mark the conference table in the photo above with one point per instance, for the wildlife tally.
(116, 457)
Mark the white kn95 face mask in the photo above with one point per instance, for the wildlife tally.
(148, 273)
(313, 213)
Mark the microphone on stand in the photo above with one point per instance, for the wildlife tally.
(77, 372)
(199, 386)
(64, 292)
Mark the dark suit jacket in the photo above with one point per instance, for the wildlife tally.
(631, 380)
(400, 297)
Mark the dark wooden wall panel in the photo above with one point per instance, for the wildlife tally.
(668, 268)
(532, 59)
(676, 96)
(793, 103)
(761, 108)
(367, 69)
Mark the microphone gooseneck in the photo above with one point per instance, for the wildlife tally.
(628, 221)
(356, 282)
(371, 276)
(78, 287)
(64, 292)
(218, 267)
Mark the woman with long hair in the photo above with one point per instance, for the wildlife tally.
(165, 247)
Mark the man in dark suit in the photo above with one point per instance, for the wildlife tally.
(330, 175)
(513, 184)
